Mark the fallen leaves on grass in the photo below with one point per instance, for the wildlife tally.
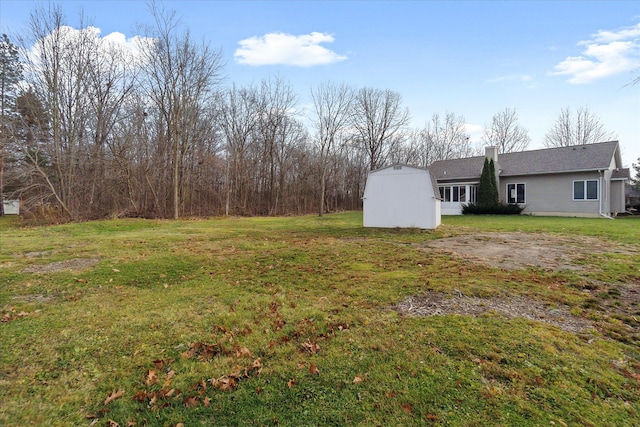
(12, 314)
(151, 377)
(358, 379)
(313, 370)
(431, 417)
(338, 326)
(114, 395)
(225, 383)
(198, 394)
(204, 352)
(191, 401)
(311, 347)
(242, 352)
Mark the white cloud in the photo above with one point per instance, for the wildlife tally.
(130, 48)
(630, 33)
(127, 50)
(118, 39)
(607, 53)
(286, 49)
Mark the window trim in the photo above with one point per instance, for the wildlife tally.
(459, 192)
(585, 190)
(515, 187)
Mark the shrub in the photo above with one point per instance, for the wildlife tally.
(498, 209)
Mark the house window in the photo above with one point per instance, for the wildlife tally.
(458, 193)
(515, 193)
(585, 190)
(446, 193)
(473, 193)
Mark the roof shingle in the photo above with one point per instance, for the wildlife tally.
(545, 161)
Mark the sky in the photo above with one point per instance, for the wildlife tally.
(470, 58)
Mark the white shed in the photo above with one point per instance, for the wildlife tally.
(11, 207)
(401, 196)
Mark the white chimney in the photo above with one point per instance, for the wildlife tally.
(491, 152)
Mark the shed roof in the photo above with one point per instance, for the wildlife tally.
(432, 177)
(588, 157)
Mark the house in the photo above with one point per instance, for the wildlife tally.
(582, 180)
(401, 196)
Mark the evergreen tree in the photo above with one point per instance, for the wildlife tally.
(495, 194)
(488, 190)
(10, 76)
(483, 187)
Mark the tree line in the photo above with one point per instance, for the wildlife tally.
(91, 130)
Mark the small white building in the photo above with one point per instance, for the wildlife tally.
(401, 196)
(11, 207)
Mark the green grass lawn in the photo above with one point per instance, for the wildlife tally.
(288, 321)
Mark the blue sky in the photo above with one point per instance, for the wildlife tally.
(473, 59)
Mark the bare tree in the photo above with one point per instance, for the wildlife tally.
(238, 115)
(505, 132)
(378, 121)
(109, 84)
(290, 139)
(81, 82)
(57, 72)
(332, 107)
(277, 106)
(10, 75)
(583, 128)
(444, 139)
(409, 151)
(180, 78)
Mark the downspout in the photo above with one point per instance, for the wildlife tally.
(601, 208)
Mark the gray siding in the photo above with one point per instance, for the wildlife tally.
(548, 175)
(553, 194)
(617, 197)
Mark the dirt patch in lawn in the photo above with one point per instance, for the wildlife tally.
(512, 251)
(71, 264)
(438, 304)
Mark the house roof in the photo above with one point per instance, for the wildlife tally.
(588, 157)
(621, 174)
